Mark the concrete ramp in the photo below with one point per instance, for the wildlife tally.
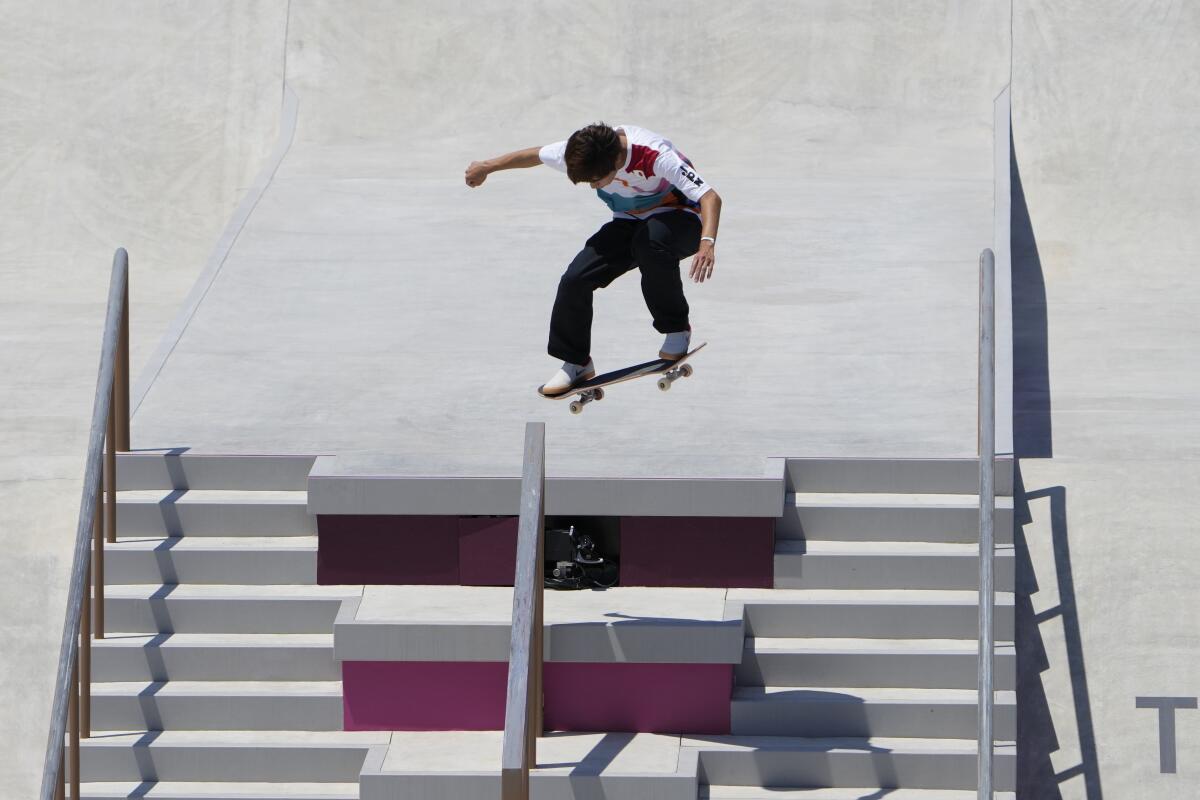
(372, 303)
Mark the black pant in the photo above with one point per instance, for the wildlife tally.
(654, 246)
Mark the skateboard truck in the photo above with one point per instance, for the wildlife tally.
(585, 397)
(672, 375)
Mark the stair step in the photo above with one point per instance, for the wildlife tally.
(213, 471)
(257, 756)
(870, 613)
(215, 657)
(945, 475)
(911, 763)
(218, 705)
(850, 712)
(183, 608)
(915, 663)
(885, 565)
(219, 560)
(172, 790)
(145, 513)
(890, 517)
(776, 793)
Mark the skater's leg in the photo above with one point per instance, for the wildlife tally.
(604, 258)
(658, 246)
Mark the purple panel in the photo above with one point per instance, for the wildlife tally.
(469, 696)
(387, 549)
(719, 552)
(487, 550)
(424, 695)
(653, 698)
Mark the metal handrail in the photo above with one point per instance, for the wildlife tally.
(110, 420)
(523, 701)
(987, 510)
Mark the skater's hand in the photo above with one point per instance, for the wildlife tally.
(476, 174)
(703, 262)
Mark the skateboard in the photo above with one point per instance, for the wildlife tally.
(593, 388)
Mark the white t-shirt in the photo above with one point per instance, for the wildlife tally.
(654, 179)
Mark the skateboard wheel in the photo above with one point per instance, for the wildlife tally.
(686, 370)
(599, 395)
(576, 407)
(664, 384)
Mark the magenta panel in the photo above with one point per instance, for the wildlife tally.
(647, 698)
(487, 550)
(389, 550)
(469, 696)
(424, 695)
(719, 552)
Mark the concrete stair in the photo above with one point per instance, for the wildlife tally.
(761, 793)
(232, 756)
(196, 560)
(184, 608)
(157, 513)
(214, 657)
(792, 763)
(179, 790)
(912, 663)
(811, 564)
(889, 517)
(217, 705)
(858, 678)
(216, 678)
(870, 613)
(862, 712)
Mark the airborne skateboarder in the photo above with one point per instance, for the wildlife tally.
(662, 212)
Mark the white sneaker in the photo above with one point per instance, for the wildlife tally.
(567, 377)
(675, 346)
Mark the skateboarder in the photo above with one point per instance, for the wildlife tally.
(662, 212)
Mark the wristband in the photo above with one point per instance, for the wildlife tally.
(708, 239)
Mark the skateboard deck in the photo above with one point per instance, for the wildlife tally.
(592, 389)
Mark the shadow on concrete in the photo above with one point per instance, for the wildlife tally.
(1032, 432)
(1036, 737)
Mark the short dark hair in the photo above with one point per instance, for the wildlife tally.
(592, 153)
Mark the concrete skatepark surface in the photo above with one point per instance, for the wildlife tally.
(371, 304)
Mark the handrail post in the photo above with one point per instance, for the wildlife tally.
(98, 565)
(121, 375)
(73, 717)
(987, 509)
(110, 472)
(523, 700)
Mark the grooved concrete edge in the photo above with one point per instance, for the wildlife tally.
(287, 130)
(331, 492)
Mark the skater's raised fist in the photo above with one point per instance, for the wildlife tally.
(476, 174)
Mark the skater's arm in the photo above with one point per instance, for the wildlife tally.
(478, 171)
(710, 219)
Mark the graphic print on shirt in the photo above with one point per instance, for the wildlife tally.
(655, 178)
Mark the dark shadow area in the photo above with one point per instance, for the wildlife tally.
(1036, 737)
(1033, 437)
(1032, 431)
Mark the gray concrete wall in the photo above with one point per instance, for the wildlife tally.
(121, 124)
(1106, 117)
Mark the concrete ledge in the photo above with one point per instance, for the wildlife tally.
(471, 623)
(435, 658)
(333, 492)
